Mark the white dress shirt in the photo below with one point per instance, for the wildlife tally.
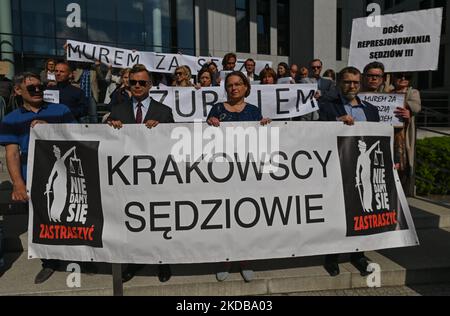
(145, 106)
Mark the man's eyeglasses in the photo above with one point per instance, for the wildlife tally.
(35, 90)
(142, 83)
(349, 82)
(370, 76)
(316, 67)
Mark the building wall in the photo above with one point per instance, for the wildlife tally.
(216, 30)
(313, 31)
(313, 25)
(324, 43)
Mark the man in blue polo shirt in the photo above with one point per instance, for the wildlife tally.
(15, 136)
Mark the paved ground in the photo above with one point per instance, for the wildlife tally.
(427, 264)
(419, 290)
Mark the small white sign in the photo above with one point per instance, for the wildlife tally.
(51, 96)
(386, 103)
(51, 77)
(285, 80)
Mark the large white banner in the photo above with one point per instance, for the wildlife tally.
(275, 101)
(386, 103)
(189, 193)
(155, 62)
(407, 41)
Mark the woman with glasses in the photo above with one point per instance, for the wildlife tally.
(235, 109)
(405, 138)
(183, 77)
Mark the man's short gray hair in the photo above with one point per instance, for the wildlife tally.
(20, 78)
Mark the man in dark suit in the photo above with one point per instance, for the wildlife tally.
(250, 65)
(348, 108)
(142, 109)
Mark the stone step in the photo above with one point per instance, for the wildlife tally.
(428, 214)
(425, 264)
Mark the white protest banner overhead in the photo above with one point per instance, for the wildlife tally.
(275, 101)
(406, 41)
(190, 193)
(386, 103)
(155, 62)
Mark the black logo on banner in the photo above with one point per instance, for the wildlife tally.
(371, 199)
(66, 194)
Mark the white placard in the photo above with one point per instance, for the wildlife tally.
(407, 41)
(386, 103)
(275, 101)
(51, 77)
(51, 96)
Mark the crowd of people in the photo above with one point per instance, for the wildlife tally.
(130, 103)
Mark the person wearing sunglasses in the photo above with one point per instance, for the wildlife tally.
(183, 77)
(15, 136)
(326, 88)
(405, 138)
(141, 109)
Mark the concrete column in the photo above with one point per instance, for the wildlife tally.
(7, 44)
(157, 29)
(302, 31)
(222, 27)
(202, 27)
(253, 27)
(273, 28)
(325, 32)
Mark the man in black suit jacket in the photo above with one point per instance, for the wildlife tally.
(142, 109)
(69, 95)
(250, 65)
(348, 108)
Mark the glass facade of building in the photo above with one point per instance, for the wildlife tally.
(39, 29)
